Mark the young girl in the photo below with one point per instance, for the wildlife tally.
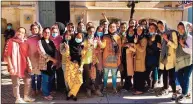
(34, 57)
(111, 55)
(139, 75)
(127, 59)
(47, 61)
(19, 65)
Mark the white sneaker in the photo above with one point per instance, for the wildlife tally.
(29, 99)
(20, 100)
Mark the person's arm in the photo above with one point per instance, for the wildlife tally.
(43, 53)
(62, 48)
(188, 48)
(141, 46)
(173, 44)
(82, 17)
(103, 14)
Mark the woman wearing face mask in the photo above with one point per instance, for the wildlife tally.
(34, 57)
(152, 57)
(139, 75)
(99, 37)
(66, 40)
(89, 63)
(47, 62)
(57, 39)
(19, 64)
(122, 35)
(71, 65)
(127, 59)
(184, 58)
(9, 32)
(111, 55)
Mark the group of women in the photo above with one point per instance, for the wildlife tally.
(72, 58)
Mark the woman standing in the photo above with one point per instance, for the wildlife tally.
(127, 59)
(19, 64)
(111, 55)
(184, 58)
(47, 49)
(34, 57)
(139, 75)
(73, 72)
(57, 39)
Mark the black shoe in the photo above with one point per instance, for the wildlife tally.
(74, 98)
(68, 98)
(181, 98)
(174, 97)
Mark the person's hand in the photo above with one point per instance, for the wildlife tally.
(29, 69)
(66, 46)
(54, 61)
(12, 72)
(165, 37)
(136, 39)
(159, 45)
(181, 41)
(80, 70)
(103, 14)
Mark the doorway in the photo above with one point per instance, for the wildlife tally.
(62, 11)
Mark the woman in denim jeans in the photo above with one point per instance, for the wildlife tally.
(111, 55)
(185, 45)
(47, 61)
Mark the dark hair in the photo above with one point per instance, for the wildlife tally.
(90, 27)
(9, 24)
(144, 20)
(70, 24)
(46, 29)
(123, 23)
(22, 28)
(80, 23)
(160, 22)
(153, 24)
(181, 24)
(34, 24)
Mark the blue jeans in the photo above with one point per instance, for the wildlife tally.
(114, 76)
(46, 84)
(183, 76)
(36, 86)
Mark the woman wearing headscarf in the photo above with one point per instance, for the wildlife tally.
(184, 58)
(111, 56)
(127, 58)
(47, 62)
(139, 73)
(152, 57)
(19, 64)
(169, 43)
(61, 27)
(34, 57)
(71, 52)
(57, 39)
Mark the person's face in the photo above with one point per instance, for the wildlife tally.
(105, 25)
(70, 28)
(20, 33)
(132, 23)
(35, 30)
(79, 36)
(91, 32)
(160, 27)
(118, 24)
(181, 29)
(67, 36)
(112, 28)
(100, 29)
(152, 29)
(123, 28)
(81, 26)
(55, 31)
(131, 31)
(46, 34)
(139, 30)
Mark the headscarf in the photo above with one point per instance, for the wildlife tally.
(61, 27)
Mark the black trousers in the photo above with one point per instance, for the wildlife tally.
(88, 83)
(169, 78)
(139, 81)
(150, 76)
(128, 84)
(58, 81)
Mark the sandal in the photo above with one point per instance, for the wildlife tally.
(48, 98)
